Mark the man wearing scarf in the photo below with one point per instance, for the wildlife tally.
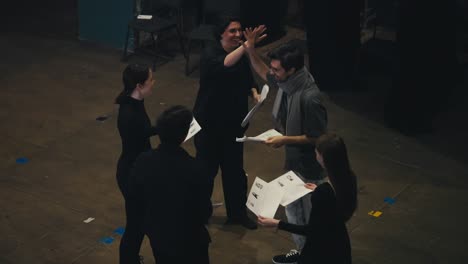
(299, 115)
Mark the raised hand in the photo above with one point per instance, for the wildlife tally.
(253, 36)
(259, 33)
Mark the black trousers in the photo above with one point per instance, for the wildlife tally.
(171, 254)
(217, 151)
(132, 239)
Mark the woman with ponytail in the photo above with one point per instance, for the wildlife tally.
(333, 204)
(135, 130)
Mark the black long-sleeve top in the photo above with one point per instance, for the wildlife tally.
(327, 239)
(173, 191)
(222, 100)
(135, 130)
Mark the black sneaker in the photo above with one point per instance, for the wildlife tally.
(291, 258)
(244, 221)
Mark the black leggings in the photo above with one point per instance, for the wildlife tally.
(132, 239)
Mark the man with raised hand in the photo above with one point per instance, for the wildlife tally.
(299, 115)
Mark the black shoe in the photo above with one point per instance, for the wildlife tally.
(244, 221)
(291, 258)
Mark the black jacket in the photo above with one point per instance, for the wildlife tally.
(172, 190)
(222, 100)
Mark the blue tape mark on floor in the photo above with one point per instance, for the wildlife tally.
(119, 231)
(22, 160)
(389, 200)
(107, 240)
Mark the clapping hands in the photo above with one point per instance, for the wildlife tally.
(253, 36)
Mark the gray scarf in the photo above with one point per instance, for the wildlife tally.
(289, 116)
(299, 81)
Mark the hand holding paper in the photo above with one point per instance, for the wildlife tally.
(260, 138)
(264, 198)
(275, 141)
(263, 96)
(294, 187)
(268, 222)
(310, 186)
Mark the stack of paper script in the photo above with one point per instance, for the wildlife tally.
(264, 198)
(260, 138)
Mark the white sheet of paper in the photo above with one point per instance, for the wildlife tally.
(245, 139)
(194, 129)
(260, 138)
(89, 220)
(263, 96)
(264, 198)
(146, 17)
(293, 187)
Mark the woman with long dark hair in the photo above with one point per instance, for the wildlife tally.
(135, 130)
(333, 204)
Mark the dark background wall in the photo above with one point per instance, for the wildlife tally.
(104, 21)
(51, 17)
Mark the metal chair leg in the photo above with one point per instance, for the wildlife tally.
(187, 57)
(124, 55)
(181, 42)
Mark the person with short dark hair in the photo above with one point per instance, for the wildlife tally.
(172, 189)
(226, 81)
(289, 56)
(327, 239)
(298, 113)
(135, 130)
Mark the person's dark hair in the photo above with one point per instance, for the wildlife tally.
(173, 124)
(132, 75)
(335, 158)
(222, 22)
(289, 54)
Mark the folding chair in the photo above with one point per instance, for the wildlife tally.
(164, 18)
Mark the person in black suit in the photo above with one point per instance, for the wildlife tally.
(173, 192)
